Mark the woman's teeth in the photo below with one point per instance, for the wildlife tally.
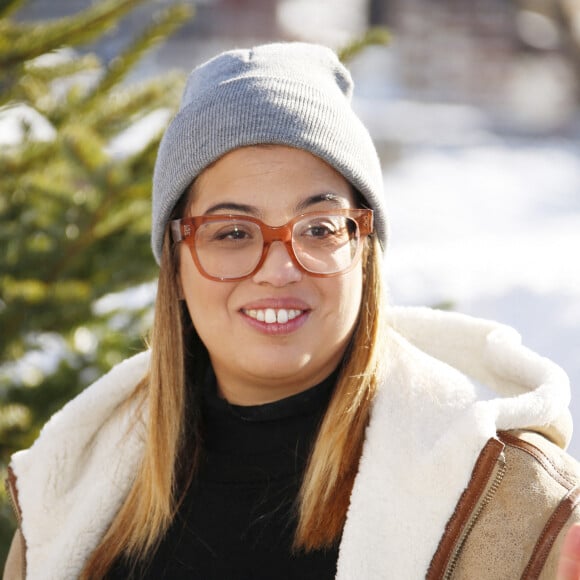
(271, 315)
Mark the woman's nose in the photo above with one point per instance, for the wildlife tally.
(278, 268)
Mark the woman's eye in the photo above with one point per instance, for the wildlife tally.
(321, 229)
(232, 233)
(318, 231)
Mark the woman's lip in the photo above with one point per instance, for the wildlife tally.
(276, 316)
(276, 304)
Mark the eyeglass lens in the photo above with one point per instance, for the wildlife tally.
(232, 248)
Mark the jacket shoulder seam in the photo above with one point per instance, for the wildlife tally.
(544, 460)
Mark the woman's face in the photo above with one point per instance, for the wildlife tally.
(257, 361)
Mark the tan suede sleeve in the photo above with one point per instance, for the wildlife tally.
(520, 533)
(13, 569)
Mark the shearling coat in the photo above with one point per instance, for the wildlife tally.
(452, 483)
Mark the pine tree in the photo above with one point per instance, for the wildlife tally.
(74, 209)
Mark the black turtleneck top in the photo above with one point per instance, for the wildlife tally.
(237, 520)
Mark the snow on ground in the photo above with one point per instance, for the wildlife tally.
(495, 230)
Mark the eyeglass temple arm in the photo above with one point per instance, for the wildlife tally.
(176, 234)
(366, 224)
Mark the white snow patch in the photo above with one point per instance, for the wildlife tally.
(17, 122)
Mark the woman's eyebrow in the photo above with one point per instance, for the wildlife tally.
(232, 207)
(320, 198)
(303, 205)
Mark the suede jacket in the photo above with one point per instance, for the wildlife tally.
(462, 475)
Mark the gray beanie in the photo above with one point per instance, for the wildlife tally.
(292, 94)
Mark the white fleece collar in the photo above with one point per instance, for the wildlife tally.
(426, 432)
(72, 481)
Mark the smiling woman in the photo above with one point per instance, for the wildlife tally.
(261, 358)
(286, 422)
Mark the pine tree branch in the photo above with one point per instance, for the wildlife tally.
(118, 110)
(78, 64)
(85, 147)
(143, 162)
(164, 25)
(9, 6)
(34, 40)
(34, 155)
(373, 36)
(36, 85)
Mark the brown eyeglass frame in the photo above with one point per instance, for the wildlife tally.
(183, 230)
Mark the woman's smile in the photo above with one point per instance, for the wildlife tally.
(273, 315)
(279, 317)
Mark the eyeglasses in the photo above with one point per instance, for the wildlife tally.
(234, 247)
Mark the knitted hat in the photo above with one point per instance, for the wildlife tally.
(292, 94)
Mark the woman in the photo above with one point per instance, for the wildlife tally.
(285, 423)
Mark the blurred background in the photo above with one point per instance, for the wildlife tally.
(474, 106)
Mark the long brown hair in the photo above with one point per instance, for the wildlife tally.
(333, 465)
(178, 363)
